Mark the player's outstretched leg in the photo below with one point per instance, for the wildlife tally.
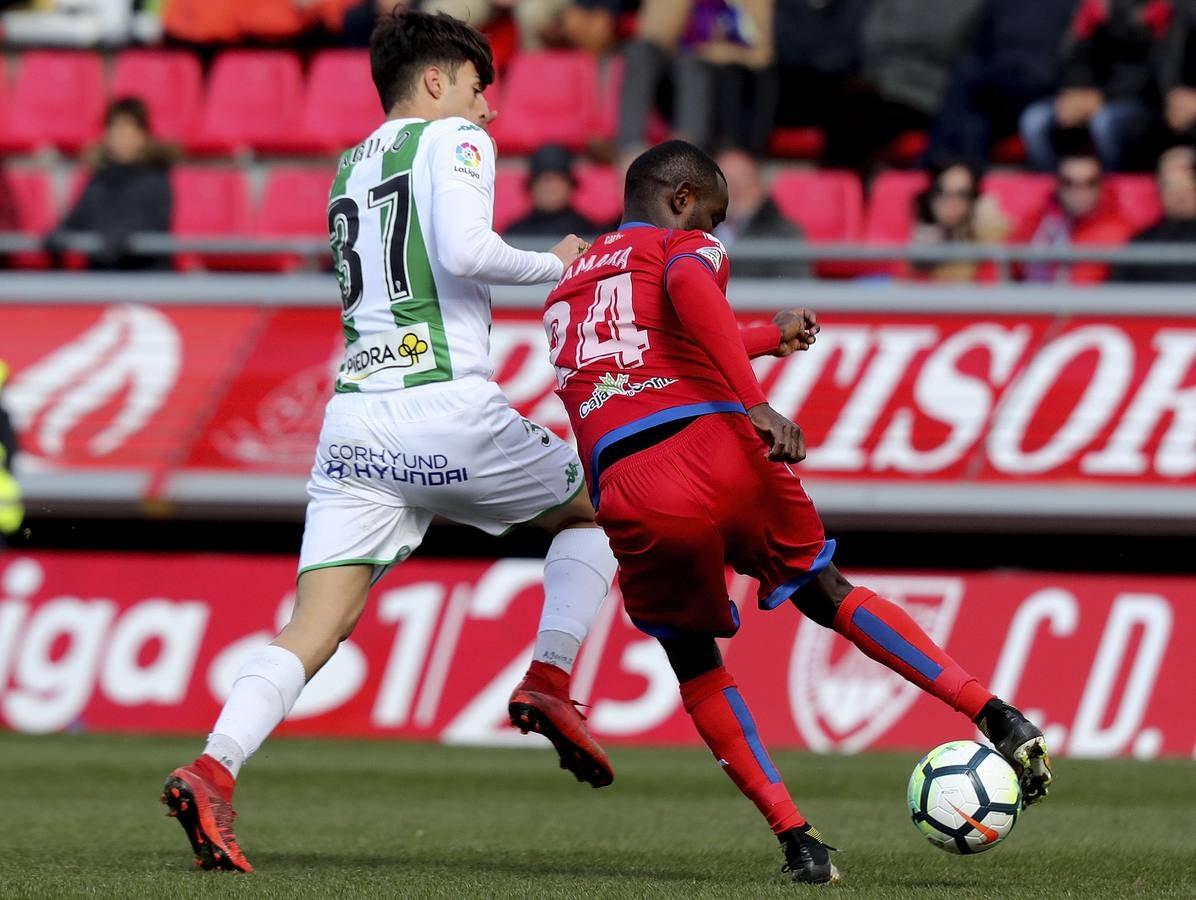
(888, 634)
(328, 604)
(725, 723)
(578, 571)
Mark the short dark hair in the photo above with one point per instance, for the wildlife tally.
(130, 108)
(666, 166)
(1074, 143)
(403, 44)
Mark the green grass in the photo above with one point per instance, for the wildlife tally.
(79, 816)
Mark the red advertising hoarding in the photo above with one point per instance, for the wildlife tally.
(150, 643)
(944, 399)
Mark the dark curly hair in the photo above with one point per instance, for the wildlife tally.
(403, 44)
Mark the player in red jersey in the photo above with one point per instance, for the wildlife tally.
(688, 467)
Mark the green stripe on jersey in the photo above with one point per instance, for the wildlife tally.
(423, 304)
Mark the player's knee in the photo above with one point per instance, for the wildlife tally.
(819, 599)
(690, 657)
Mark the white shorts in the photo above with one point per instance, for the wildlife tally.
(388, 462)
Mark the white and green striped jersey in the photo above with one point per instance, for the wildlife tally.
(410, 222)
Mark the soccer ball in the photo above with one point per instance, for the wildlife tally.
(964, 797)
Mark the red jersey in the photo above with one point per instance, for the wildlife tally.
(624, 360)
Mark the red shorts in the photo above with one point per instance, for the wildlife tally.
(678, 512)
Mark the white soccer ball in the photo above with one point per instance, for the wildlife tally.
(964, 797)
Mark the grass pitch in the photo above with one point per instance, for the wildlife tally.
(79, 816)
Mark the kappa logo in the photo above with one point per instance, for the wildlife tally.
(130, 357)
(842, 700)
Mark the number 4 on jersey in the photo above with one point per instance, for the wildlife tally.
(612, 313)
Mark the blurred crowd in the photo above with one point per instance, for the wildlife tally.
(1077, 88)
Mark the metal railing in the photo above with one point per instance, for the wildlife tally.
(314, 251)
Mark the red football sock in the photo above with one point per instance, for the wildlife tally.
(725, 724)
(888, 634)
(219, 777)
(547, 679)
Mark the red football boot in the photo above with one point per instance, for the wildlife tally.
(200, 797)
(541, 704)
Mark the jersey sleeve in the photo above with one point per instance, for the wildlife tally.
(692, 280)
(461, 161)
(705, 248)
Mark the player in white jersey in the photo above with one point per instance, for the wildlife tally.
(416, 428)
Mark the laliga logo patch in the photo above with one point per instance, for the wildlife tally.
(841, 699)
(712, 255)
(468, 155)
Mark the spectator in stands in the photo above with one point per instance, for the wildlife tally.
(724, 81)
(909, 48)
(817, 45)
(1082, 211)
(1177, 191)
(752, 213)
(551, 184)
(951, 211)
(1177, 73)
(1012, 60)
(128, 193)
(1108, 84)
(593, 25)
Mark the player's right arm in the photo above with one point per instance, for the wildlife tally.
(462, 166)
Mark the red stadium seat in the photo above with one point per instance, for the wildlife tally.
(599, 194)
(58, 100)
(340, 105)
(796, 143)
(170, 83)
(293, 204)
(32, 195)
(905, 148)
(1019, 194)
(827, 205)
(510, 197)
(254, 101)
(209, 202)
(548, 97)
(1138, 198)
(890, 214)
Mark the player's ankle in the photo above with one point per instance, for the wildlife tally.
(217, 774)
(546, 678)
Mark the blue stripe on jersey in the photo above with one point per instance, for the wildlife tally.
(891, 641)
(627, 225)
(670, 632)
(703, 260)
(794, 584)
(735, 701)
(659, 417)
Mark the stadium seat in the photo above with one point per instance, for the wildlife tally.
(58, 100)
(1019, 194)
(254, 101)
(548, 97)
(827, 205)
(170, 83)
(32, 195)
(294, 203)
(1138, 198)
(905, 148)
(510, 196)
(340, 104)
(796, 143)
(209, 202)
(599, 194)
(890, 213)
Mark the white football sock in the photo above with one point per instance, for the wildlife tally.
(264, 691)
(578, 571)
